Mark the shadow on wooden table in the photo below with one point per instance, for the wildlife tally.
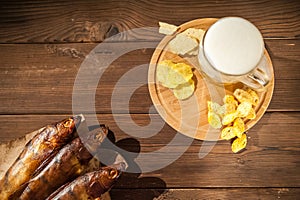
(135, 185)
(132, 185)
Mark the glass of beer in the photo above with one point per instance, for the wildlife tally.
(232, 50)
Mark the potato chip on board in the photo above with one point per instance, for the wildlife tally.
(252, 114)
(239, 143)
(229, 118)
(171, 75)
(244, 109)
(255, 98)
(217, 108)
(184, 70)
(182, 44)
(185, 90)
(229, 108)
(236, 109)
(242, 96)
(214, 120)
(229, 99)
(221, 111)
(213, 106)
(194, 33)
(227, 133)
(193, 52)
(163, 71)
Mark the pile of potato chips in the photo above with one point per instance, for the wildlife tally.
(231, 116)
(176, 76)
(184, 43)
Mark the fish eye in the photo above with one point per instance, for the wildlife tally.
(98, 137)
(68, 123)
(113, 173)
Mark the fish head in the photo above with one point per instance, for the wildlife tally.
(112, 172)
(69, 125)
(93, 139)
(101, 181)
(66, 129)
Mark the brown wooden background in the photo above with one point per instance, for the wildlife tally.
(43, 43)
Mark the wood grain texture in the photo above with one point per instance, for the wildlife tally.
(272, 123)
(204, 194)
(44, 43)
(271, 158)
(42, 77)
(93, 21)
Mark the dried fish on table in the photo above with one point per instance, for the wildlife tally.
(89, 186)
(69, 163)
(41, 147)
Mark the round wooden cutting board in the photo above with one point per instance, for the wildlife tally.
(189, 116)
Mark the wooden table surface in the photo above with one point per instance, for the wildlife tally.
(44, 43)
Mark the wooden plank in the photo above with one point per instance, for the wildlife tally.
(42, 77)
(272, 123)
(212, 193)
(86, 21)
(271, 158)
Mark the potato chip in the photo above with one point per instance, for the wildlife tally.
(227, 133)
(182, 44)
(242, 96)
(238, 127)
(239, 143)
(229, 99)
(163, 71)
(221, 111)
(167, 29)
(228, 118)
(214, 120)
(184, 70)
(213, 106)
(194, 33)
(229, 108)
(171, 75)
(185, 90)
(236, 108)
(193, 52)
(244, 109)
(251, 115)
(255, 98)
